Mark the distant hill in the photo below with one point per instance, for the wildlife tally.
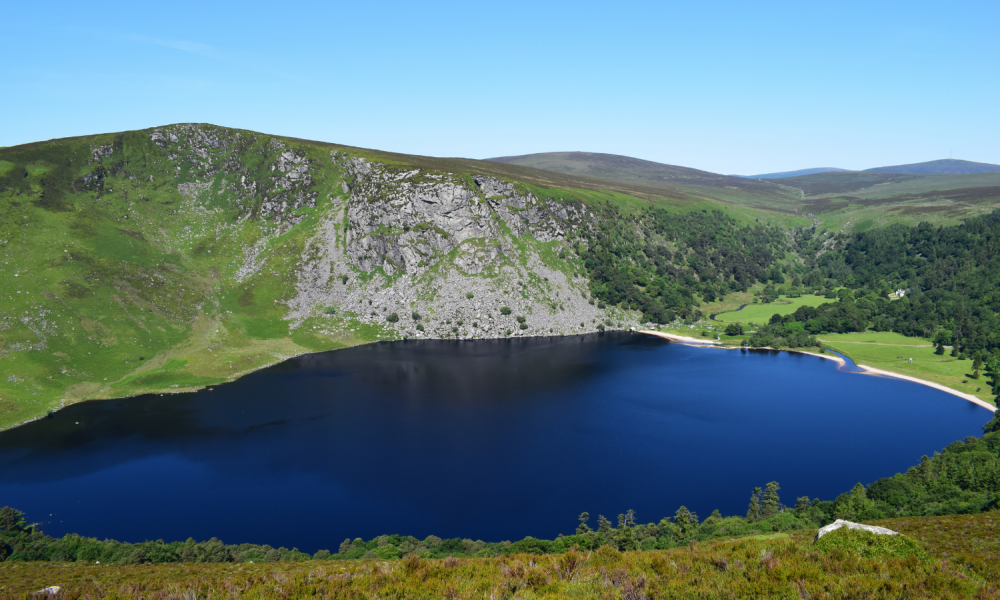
(608, 166)
(669, 178)
(795, 173)
(947, 166)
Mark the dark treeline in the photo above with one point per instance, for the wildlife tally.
(656, 261)
(963, 478)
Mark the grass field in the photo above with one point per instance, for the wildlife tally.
(961, 562)
(761, 313)
(891, 352)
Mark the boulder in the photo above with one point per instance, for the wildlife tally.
(851, 525)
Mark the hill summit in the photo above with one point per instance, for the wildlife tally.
(946, 166)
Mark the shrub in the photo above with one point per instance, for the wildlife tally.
(869, 545)
(504, 310)
(420, 327)
(524, 325)
(521, 319)
(469, 295)
(393, 318)
(387, 552)
(415, 316)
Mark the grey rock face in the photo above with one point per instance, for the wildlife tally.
(453, 252)
(851, 525)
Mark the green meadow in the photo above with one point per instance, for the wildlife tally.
(761, 313)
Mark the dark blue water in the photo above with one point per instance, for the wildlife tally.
(492, 440)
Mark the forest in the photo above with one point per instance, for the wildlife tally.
(657, 261)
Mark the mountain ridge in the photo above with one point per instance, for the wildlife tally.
(945, 166)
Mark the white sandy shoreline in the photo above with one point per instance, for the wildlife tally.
(840, 361)
(969, 397)
(680, 338)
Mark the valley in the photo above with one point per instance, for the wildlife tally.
(179, 257)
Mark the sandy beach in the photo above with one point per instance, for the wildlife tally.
(969, 397)
(680, 338)
(840, 361)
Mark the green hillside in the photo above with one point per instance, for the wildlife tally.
(668, 178)
(178, 257)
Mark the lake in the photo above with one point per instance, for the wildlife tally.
(491, 440)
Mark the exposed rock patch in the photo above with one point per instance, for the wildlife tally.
(851, 525)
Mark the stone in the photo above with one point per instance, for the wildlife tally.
(851, 525)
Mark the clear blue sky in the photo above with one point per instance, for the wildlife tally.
(730, 87)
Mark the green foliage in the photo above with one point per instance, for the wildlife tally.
(869, 545)
(655, 261)
(950, 275)
(504, 310)
(392, 318)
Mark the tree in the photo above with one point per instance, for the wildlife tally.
(856, 505)
(802, 504)
(994, 423)
(771, 503)
(713, 518)
(753, 512)
(940, 349)
(603, 527)
(11, 519)
(687, 522)
(734, 329)
(583, 528)
(626, 531)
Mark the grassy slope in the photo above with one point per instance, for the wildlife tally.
(611, 167)
(122, 289)
(891, 352)
(123, 285)
(858, 201)
(961, 563)
(872, 199)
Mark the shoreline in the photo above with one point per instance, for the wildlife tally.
(865, 370)
(938, 386)
(683, 339)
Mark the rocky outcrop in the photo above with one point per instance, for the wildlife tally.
(274, 190)
(851, 525)
(452, 255)
(449, 255)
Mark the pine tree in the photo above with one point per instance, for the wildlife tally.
(687, 521)
(603, 527)
(771, 502)
(753, 513)
(583, 528)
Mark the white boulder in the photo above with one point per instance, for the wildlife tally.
(851, 525)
